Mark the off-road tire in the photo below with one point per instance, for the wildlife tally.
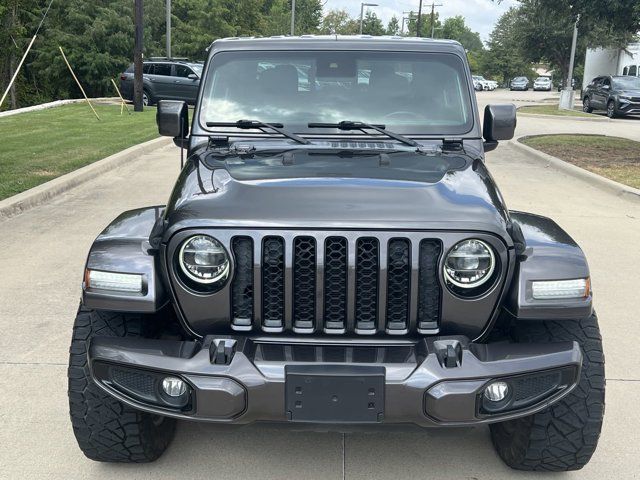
(106, 429)
(564, 436)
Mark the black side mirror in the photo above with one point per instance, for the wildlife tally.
(172, 118)
(499, 124)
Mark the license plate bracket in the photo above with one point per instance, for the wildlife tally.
(334, 393)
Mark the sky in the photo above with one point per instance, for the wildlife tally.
(480, 15)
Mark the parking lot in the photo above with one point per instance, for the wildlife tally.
(42, 253)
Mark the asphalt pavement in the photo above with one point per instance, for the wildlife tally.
(42, 253)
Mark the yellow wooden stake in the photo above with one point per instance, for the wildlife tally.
(123, 104)
(78, 82)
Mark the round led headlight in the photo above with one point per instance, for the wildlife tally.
(469, 264)
(204, 260)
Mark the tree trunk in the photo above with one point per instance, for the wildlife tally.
(13, 97)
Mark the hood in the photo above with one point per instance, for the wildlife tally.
(338, 190)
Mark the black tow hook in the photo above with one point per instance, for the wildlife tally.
(221, 351)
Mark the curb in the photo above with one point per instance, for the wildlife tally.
(593, 179)
(57, 103)
(595, 118)
(12, 206)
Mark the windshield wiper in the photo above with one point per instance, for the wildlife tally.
(349, 125)
(248, 124)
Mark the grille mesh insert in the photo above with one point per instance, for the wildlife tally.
(273, 282)
(428, 285)
(242, 287)
(398, 284)
(134, 381)
(304, 282)
(335, 282)
(367, 270)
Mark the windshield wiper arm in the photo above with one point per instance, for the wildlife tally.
(349, 125)
(248, 124)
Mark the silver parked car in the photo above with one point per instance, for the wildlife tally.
(519, 83)
(543, 83)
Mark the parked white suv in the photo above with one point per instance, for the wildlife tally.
(542, 83)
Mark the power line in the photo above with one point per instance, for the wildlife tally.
(33, 39)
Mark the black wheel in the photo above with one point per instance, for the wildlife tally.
(586, 105)
(147, 98)
(564, 436)
(611, 109)
(107, 430)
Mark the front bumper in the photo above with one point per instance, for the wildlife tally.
(427, 382)
(628, 107)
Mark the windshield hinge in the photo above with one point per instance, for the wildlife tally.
(452, 143)
(218, 142)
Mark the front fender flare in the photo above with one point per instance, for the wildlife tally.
(550, 254)
(124, 247)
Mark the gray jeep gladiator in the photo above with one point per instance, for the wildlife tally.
(336, 254)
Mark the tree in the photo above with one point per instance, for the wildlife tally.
(504, 57)
(544, 34)
(543, 28)
(393, 27)
(339, 22)
(425, 27)
(372, 25)
(454, 28)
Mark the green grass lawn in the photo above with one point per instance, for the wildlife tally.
(38, 146)
(612, 157)
(553, 110)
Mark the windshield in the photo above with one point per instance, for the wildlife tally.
(520, 79)
(414, 93)
(627, 83)
(197, 68)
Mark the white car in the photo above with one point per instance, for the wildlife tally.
(542, 83)
(480, 81)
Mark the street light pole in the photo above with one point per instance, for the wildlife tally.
(293, 17)
(168, 28)
(567, 98)
(362, 5)
(137, 56)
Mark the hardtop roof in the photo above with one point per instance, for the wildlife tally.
(338, 42)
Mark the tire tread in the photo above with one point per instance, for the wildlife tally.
(106, 429)
(564, 436)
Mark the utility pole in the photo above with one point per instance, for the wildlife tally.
(137, 57)
(433, 17)
(419, 24)
(168, 28)
(567, 97)
(293, 17)
(362, 5)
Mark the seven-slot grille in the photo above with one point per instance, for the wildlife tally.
(336, 284)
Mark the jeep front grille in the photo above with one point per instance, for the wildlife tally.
(336, 284)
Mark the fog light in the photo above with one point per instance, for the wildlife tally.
(496, 391)
(174, 387)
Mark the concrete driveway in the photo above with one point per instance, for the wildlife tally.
(42, 253)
